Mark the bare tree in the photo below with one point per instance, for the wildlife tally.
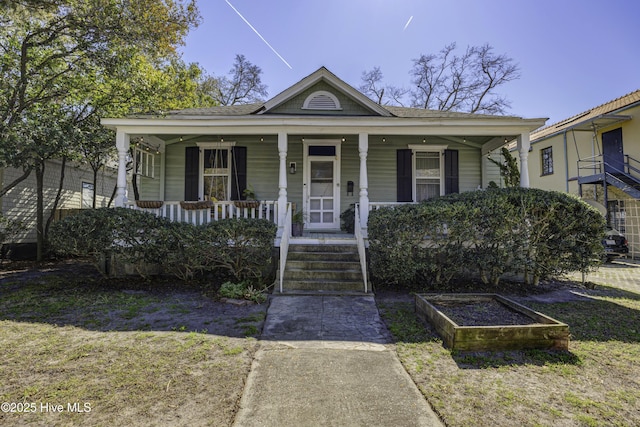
(243, 86)
(383, 95)
(448, 81)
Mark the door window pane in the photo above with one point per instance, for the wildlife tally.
(322, 150)
(321, 189)
(321, 171)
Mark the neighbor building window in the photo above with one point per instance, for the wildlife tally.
(547, 161)
(86, 198)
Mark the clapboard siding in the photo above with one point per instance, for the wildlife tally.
(263, 164)
(149, 188)
(20, 201)
(349, 171)
(262, 168)
(381, 164)
(348, 106)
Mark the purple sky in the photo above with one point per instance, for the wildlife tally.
(573, 54)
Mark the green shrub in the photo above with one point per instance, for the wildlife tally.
(348, 218)
(239, 248)
(132, 236)
(242, 290)
(534, 232)
(232, 290)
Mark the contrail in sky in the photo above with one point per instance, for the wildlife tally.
(408, 22)
(260, 35)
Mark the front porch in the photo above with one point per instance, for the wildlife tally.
(321, 145)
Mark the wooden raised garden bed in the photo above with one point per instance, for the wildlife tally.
(479, 322)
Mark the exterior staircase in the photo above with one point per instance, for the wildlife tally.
(318, 268)
(625, 182)
(624, 175)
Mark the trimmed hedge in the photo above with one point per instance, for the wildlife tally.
(238, 248)
(488, 233)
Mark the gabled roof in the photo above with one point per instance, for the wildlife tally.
(324, 74)
(600, 116)
(280, 106)
(219, 110)
(407, 112)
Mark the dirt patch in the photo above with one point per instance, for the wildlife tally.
(482, 313)
(156, 352)
(36, 293)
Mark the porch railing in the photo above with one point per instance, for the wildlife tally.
(377, 205)
(284, 244)
(362, 253)
(174, 211)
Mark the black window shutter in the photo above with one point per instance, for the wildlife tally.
(405, 178)
(191, 169)
(451, 176)
(238, 173)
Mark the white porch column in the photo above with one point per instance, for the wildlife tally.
(282, 180)
(523, 148)
(363, 148)
(122, 144)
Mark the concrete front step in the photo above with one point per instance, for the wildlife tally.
(312, 264)
(323, 256)
(329, 275)
(323, 268)
(318, 285)
(323, 248)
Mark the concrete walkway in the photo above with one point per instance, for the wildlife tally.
(326, 361)
(621, 273)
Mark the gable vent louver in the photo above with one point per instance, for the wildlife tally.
(321, 100)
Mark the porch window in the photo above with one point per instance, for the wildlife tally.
(427, 175)
(217, 173)
(143, 162)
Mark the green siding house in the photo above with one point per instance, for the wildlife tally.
(320, 146)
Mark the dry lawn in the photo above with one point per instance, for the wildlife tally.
(596, 383)
(76, 352)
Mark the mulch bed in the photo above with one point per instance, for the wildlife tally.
(482, 313)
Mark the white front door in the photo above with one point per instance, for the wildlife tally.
(321, 187)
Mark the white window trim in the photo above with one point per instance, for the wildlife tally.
(307, 101)
(426, 149)
(213, 146)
